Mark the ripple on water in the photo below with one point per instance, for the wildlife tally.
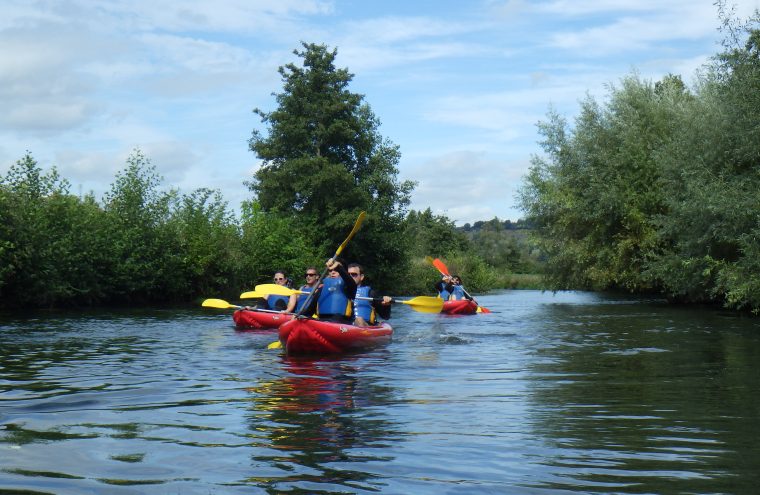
(566, 393)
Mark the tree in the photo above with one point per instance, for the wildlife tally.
(208, 245)
(323, 161)
(713, 179)
(598, 193)
(144, 254)
(49, 240)
(433, 235)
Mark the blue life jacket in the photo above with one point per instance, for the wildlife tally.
(332, 299)
(444, 294)
(364, 308)
(458, 292)
(302, 297)
(276, 302)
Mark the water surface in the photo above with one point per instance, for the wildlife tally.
(551, 393)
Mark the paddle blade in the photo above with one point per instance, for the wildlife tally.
(441, 267)
(357, 225)
(481, 309)
(275, 345)
(275, 290)
(425, 304)
(217, 303)
(251, 294)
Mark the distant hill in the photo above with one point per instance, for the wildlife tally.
(503, 244)
(495, 224)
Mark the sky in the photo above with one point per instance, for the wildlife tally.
(459, 86)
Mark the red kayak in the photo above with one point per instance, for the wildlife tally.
(310, 336)
(259, 320)
(460, 307)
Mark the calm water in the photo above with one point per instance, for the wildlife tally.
(567, 393)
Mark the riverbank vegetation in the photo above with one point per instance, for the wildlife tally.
(143, 244)
(657, 189)
(323, 161)
(653, 191)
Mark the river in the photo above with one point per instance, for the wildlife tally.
(561, 393)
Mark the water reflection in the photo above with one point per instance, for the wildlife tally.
(325, 420)
(566, 393)
(645, 401)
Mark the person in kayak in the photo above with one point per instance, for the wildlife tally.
(276, 302)
(444, 287)
(297, 300)
(366, 312)
(333, 300)
(457, 289)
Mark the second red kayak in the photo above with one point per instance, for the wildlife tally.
(460, 307)
(312, 337)
(259, 320)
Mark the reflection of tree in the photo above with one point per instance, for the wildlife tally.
(663, 402)
(321, 417)
(38, 368)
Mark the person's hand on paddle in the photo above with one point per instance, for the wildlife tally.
(386, 300)
(332, 264)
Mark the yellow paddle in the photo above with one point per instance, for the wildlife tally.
(219, 304)
(423, 304)
(251, 294)
(354, 230)
(274, 289)
(222, 304)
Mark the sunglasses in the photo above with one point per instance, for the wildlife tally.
(311, 274)
(354, 274)
(278, 278)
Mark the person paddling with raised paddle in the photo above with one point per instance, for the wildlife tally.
(444, 287)
(333, 299)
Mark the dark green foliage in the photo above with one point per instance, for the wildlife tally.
(657, 190)
(137, 216)
(433, 235)
(596, 194)
(207, 255)
(499, 246)
(41, 239)
(324, 162)
(272, 243)
(712, 170)
(142, 246)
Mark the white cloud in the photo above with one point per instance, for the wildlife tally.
(387, 42)
(629, 33)
(196, 55)
(460, 87)
(465, 184)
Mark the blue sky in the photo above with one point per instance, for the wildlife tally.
(458, 85)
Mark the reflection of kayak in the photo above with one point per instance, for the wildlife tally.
(460, 307)
(248, 318)
(309, 336)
